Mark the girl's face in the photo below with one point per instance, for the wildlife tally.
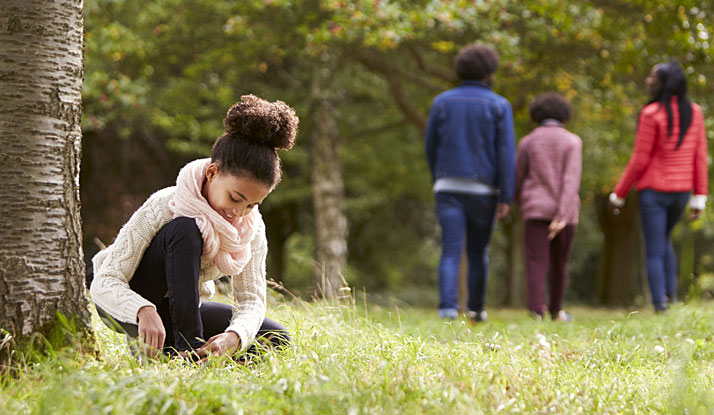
(652, 81)
(232, 196)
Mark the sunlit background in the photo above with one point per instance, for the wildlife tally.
(160, 75)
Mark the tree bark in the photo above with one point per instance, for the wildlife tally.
(515, 267)
(327, 189)
(281, 222)
(41, 70)
(620, 278)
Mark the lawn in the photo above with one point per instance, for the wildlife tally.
(365, 359)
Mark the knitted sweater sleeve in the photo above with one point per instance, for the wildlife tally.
(115, 266)
(249, 292)
(570, 184)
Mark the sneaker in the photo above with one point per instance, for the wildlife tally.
(478, 316)
(563, 317)
(448, 313)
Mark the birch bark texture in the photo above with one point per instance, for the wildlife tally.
(328, 189)
(41, 72)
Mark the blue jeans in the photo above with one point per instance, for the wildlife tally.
(660, 212)
(472, 216)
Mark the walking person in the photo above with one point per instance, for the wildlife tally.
(470, 149)
(154, 279)
(548, 170)
(667, 165)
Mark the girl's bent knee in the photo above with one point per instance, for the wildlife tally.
(184, 231)
(184, 225)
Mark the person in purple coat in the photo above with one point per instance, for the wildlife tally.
(548, 169)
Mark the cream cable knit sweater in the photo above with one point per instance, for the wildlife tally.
(115, 266)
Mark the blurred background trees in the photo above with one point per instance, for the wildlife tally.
(356, 196)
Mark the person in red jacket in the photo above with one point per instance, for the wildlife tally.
(668, 163)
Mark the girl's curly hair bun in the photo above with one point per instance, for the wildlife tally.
(273, 124)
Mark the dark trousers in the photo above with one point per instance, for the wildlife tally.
(472, 216)
(167, 276)
(539, 254)
(659, 213)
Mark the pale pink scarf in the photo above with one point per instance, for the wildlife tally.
(226, 244)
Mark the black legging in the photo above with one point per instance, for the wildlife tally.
(171, 264)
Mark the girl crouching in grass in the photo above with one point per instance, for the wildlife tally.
(153, 279)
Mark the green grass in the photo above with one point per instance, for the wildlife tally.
(357, 359)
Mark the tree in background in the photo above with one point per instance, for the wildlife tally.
(41, 262)
(594, 52)
(361, 75)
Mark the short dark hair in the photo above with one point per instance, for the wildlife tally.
(550, 105)
(255, 130)
(476, 62)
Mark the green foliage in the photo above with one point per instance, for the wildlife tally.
(60, 335)
(170, 69)
(364, 359)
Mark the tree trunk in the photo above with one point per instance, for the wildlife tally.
(280, 222)
(620, 278)
(41, 69)
(515, 267)
(327, 190)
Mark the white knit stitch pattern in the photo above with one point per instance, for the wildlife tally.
(115, 266)
(226, 243)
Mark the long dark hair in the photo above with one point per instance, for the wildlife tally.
(673, 82)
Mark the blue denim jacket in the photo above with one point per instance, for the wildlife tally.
(470, 134)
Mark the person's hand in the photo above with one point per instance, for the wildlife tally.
(151, 330)
(613, 209)
(554, 228)
(502, 211)
(694, 214)
(227, 342)
(615, 204)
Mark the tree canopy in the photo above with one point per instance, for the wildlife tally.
(160, 75)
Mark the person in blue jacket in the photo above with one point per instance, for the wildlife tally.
(470, 148)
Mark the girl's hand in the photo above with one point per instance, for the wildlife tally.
(554, 228)
(227, 342)
(502, 211)
(615, 204)
(151, 330)
(694, 214)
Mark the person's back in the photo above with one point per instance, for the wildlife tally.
(668, 164)
(473, 124)
(548, 170)
(550, 151)
(665, 164)
(470, 147)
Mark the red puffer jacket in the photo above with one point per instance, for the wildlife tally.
(657, 164)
